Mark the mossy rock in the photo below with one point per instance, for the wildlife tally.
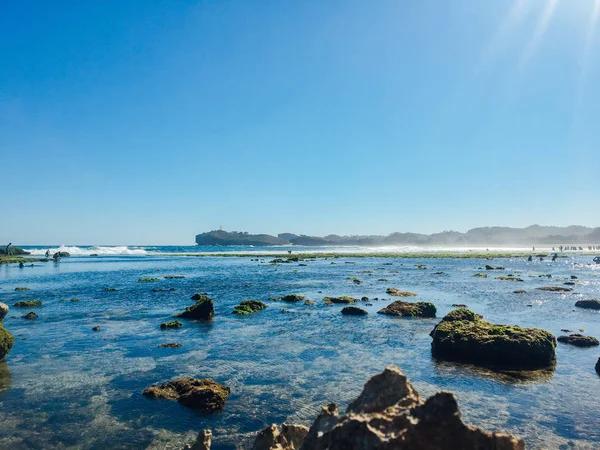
(578, 340)
(30, 316)
(398, 293)
(340, 300)
(480, 275)
(355, 280)
(204, 395)
(309, 303)
(407, 309)
(248, 307)
(6, 342)
(3, 311)
(74, 299)
(14, 251)
(28, 304)
(22, 289)
(203, 309)
(478, 342)
(147, 279)
(588, 304)
(354, 311)
(110, 289)
(509, 278)
(174, 277)
(290, 298)
(170, 345)
(171, 324)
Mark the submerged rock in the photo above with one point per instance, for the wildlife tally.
(578, 340)
(290, 298)
(598, 367)
(202, 394)
(388, 414)
(589, 304)
(407, 309)
(520, 291)
(96, 328)
(22, 289)
(170, 345)
(147, 279)
(480, 275)
(509, 278)
(309, 303)
(6, 339)
(30, 316)
(554, 289)
(248, 307)
(462, 336)
(340, 300)
(398, 293)
(171, 324)
(28, 304)
(354, 311)
(203, 309)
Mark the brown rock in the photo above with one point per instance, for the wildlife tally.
(203, 441)
(204, 394)
(389, 414)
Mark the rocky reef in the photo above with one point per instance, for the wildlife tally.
(354, 311)
(579, 340)
(342, 300)
(463, 336)
(28, 304)
(6, 339)
(398, 293)
(248, 307)
(407, 309)
(388, 414)
(203, 309)
(290, 298)
(201, 394)
(589, 304)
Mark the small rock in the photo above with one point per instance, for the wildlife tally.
(354, 311)
(96, 328)
(30, 316)
(579, 340)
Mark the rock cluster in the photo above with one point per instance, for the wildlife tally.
(388, 414)
(248, 307)
(202, 394)
(203, 309)
(463, 336)
(407, 309)
(6, 339)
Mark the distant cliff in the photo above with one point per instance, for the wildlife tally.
(483, 237)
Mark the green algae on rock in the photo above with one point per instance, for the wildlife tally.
(30, 316)
(174, 277)
(204, 394)
(6, 339)
(509, 278)
(398, 293)
(340, 300)
(462, 336)
(407, 309)
(578, 340)
(22, 289)
(203, 309)
(110, 289)
(290, 298)
(147, 279)
(248, 307)
(171, 324)
(28, 304)
(480, 275)
(554, 289)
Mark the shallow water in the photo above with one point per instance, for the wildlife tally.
(65, 386)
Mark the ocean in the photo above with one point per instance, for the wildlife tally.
(66, 386)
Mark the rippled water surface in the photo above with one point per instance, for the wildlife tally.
(65, 386)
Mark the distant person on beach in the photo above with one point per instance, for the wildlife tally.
(554, 257)
(47, 253)
(530, 258)
(534, 248)
(8, 249)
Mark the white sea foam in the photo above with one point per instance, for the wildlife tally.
(98, 250)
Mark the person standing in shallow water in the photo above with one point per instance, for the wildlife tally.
(47, 254)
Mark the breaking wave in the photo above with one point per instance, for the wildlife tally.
(91, 250)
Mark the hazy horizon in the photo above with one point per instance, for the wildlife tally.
(147, 122)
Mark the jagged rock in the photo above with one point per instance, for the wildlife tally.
(578, 340)
(248, 307)
(284, 437)
(589, 304)
(30, 316)
(205, 394)
(407, 309)
(6, 339)
(203, 309)
(203, 441)
(462, 336)
(354, 311)
(390, 415)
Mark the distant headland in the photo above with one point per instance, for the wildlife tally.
(483, 236)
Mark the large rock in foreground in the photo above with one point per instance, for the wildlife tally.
(407, 309)
(203, 309)
(463, 336)
(204, 395)
(6, 339)
(388, 414)
(589, 304)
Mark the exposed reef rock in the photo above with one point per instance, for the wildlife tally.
(598, 367)
(578, 340)
(170, 345)
(248, 307)
(462, 336)
(204, 395)
(30, 316)
(554, 289)
(388, 414)
(407, 309)
(6, 339)
(290, 298)
(340, 300)
(589, 304)
(398, 293)
(354, 311)
(203, 441)
(171, 324)
(203, 309)
(28, 304)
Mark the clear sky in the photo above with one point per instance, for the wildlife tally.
(146, 122)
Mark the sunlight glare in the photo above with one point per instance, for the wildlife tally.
(540, 30)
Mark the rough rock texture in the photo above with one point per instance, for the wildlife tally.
(589, 304)
(407, 309)
(28, 304)
(6, 339)
(342, 300)
(398, 293)
(204, 394)
(290, 298)
(389, 414)
(284, 437)
(171, 324)
(203, 309)
(463, 336)
(354, 311)
(598, 367)
(554, 289)
(579, 340)
(203, 441)
(30, 316)
(248, 307)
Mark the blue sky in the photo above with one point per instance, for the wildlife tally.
(146, 122)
